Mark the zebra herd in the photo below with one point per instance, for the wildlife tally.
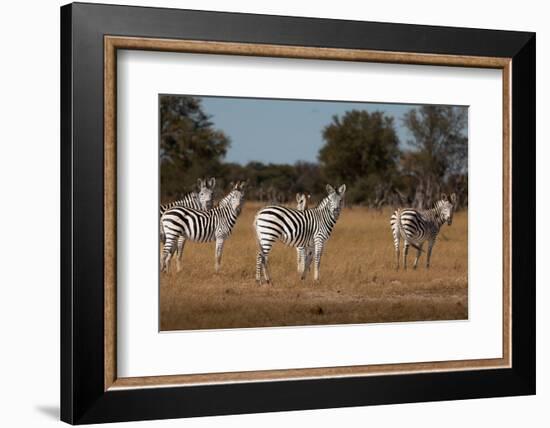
(181, 223)
(194, 218)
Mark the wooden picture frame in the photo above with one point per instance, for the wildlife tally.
(91, 390)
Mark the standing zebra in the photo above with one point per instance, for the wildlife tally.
(304, 255)
(418, 226)
(201, 200)
(182, 223)
(297, 229)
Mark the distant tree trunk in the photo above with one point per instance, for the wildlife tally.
(419, 196)
(260, 194)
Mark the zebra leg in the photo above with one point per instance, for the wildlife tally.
(267, 275)
(264, 247)
(305, 262)
(418, 251)
(301, 261)
(308, 259)
(429, 256)
(219, 251)
(166, 253)
(259, 267)
(318, 253)
(405, 252)
(162, 260)
(179, 252)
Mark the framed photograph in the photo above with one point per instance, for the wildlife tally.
(266, 213)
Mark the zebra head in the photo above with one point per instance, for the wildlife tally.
(235, 198)
(335, 199)
(302, 201)
(446, 208)
(206, 192)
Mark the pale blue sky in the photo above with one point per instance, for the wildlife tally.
(284, 131)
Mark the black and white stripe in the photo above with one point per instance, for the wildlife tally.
(418, 226)
(181, 224)
(297, 229)
(201, 200)
(304, 255)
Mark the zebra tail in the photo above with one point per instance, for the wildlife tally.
(162, 234)
(402, 233)
(258, 240)
(255, 226)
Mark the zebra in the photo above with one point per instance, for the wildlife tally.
(417, 226)
(182, 223)
(304, 255)
(201, 200)
(297, 228)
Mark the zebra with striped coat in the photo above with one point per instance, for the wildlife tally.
(418, 226)
(201, 200)
(304, 255)
(181, 224)
(297, 229)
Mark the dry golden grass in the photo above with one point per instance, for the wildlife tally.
(359, 283)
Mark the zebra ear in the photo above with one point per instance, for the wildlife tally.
(298, 197)
(342, 189)
(200, 183)
(242, 185)
(212, 182)
(443, 196)
(330, 189)
(309, 195)
(453, 198)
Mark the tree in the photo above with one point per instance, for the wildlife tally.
(189, 145)
(309, 179)
(361, 150)
(440, 149)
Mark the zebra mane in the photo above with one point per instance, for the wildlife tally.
(435, 211)
(225, 205)
(188, 197)
(323, 202)
(225, 200)
(235, 187)
(323, 206)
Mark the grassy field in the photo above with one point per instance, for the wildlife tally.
(359, 283)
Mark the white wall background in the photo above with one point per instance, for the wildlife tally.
(29, 214)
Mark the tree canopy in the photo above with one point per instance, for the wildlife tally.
(190, 147)
(439, 150)
(362, 150)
